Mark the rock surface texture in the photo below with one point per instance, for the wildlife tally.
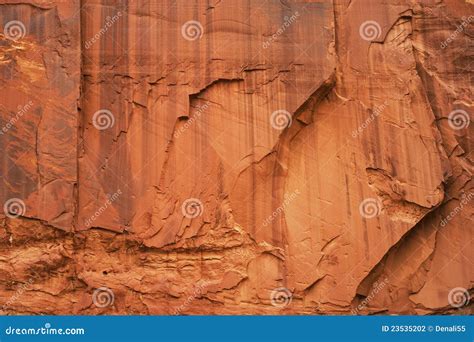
(236, 157)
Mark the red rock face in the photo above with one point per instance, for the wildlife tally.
(226, 157)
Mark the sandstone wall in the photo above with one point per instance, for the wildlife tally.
(236, 157)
